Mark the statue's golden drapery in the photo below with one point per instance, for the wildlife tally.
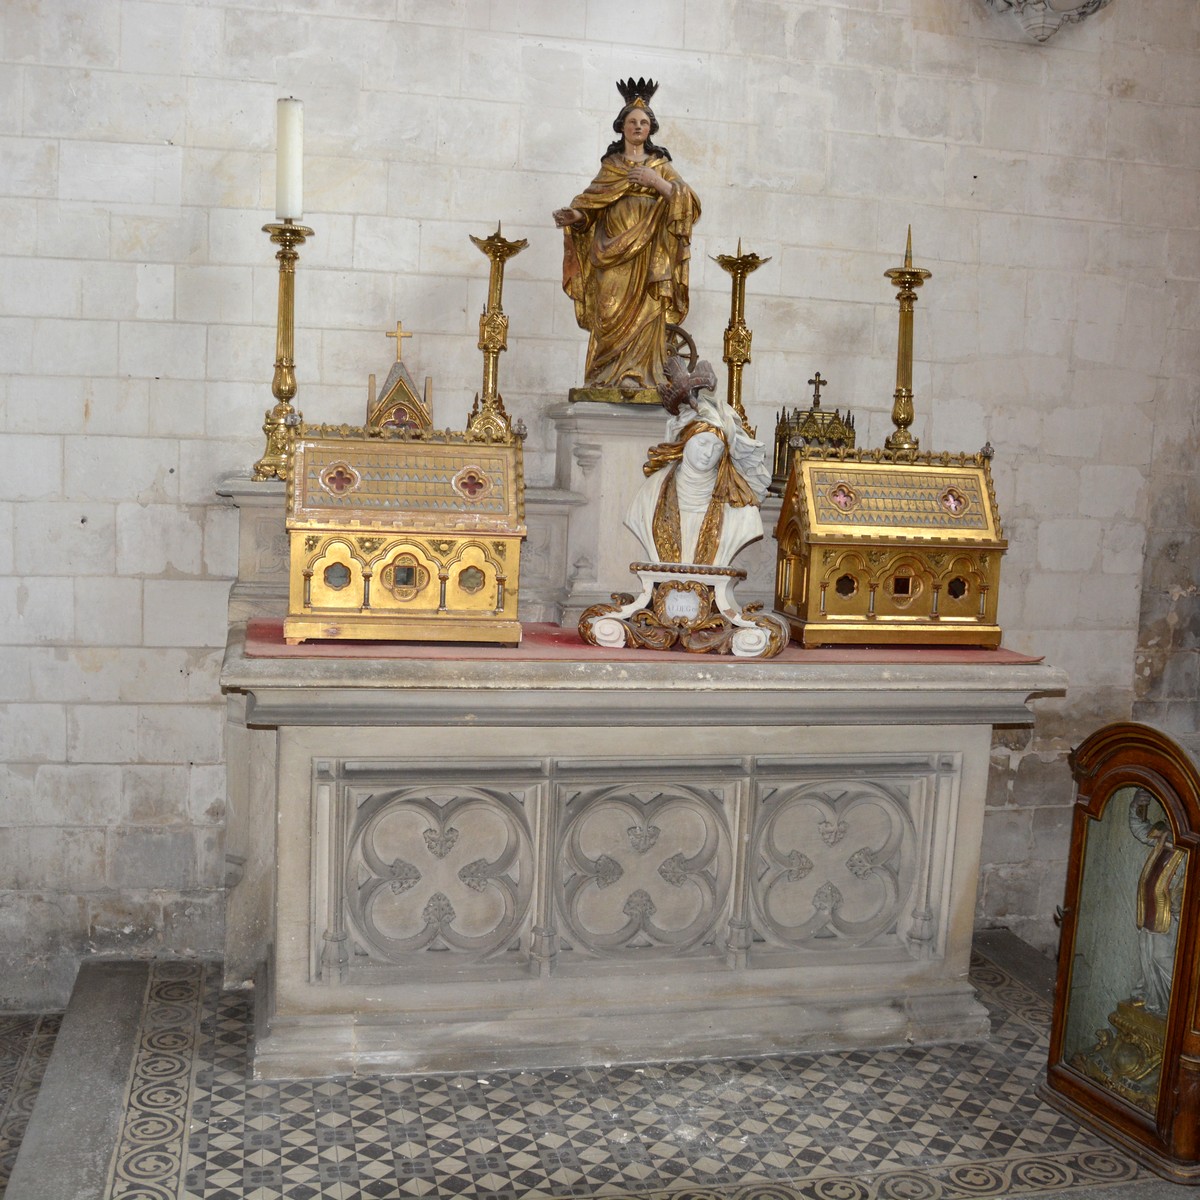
(626, 249)
(626, 268)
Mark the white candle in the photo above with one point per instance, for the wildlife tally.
(289, 160)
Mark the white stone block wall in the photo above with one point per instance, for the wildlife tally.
(1053, 191)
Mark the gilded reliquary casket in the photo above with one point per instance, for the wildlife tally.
(878, 549)
(400, 538)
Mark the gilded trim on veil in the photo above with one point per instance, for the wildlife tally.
(730, 488)
(666, 527)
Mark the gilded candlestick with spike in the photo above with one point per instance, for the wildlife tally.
(488, 417)
(737, 335)
(907, 278)
(280, 422)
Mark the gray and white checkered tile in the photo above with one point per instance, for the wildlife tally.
(944, 1122)
(957, 1122)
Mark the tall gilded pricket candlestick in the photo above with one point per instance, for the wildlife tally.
(737, 335)
(488, 418)
(280, 422)
(907, 278)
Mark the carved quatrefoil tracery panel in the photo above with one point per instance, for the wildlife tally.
(644, 868)
(438, 869)
(835, 865)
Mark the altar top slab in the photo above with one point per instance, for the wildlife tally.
(553, 678)
(555, 643)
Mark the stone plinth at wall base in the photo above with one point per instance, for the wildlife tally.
(565, 856)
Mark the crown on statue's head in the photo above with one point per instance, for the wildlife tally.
(638, 92)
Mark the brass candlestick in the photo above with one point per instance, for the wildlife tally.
(280, 422)
(737, 335)
(488, 417)
(908, 278)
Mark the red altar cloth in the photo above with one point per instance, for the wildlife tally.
(553, 643)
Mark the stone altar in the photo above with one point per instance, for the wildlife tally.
(460, 859)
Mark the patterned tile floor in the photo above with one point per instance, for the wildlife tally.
(25, 1045)
(918, 1123)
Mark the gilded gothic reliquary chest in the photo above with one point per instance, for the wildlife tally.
(883, 549)
(400, 538)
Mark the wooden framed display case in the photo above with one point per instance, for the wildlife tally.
(1125, 1043)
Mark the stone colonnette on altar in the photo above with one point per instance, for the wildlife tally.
(543, 856)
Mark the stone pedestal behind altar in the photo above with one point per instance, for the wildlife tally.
(459, 859)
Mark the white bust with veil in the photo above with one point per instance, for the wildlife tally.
(698, 507)
(705, 482)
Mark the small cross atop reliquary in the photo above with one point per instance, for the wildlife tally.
(400, 406)
(815, 426)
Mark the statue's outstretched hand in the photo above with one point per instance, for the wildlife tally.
(567, 216)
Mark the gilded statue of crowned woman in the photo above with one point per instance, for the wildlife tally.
(627, 243)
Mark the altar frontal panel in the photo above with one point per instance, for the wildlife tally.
(452, 910)
(566, 865)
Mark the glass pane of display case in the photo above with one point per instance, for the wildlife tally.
(1123, 958)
